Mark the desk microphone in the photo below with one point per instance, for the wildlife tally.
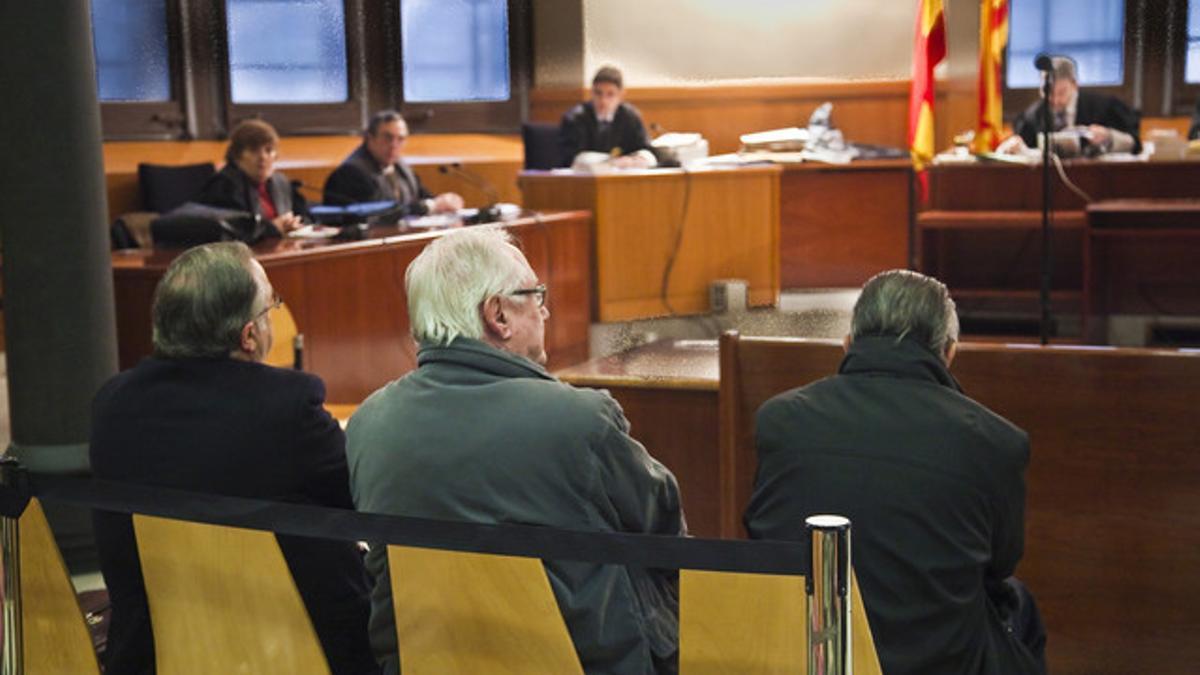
(489, 213)
(1043, 62)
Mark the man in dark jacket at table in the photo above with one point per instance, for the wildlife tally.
(932, 482)
(606, 124)
(1107, 123)
(205, 414)
(480, 432)
(376, 172)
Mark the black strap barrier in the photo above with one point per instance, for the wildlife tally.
(642, 550)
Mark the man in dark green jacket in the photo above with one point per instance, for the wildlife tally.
(932, 482)
(481, 432)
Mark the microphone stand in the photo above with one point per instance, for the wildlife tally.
(1047, 263)
(487, 214)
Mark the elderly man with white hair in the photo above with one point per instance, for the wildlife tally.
(480, 432)
(932, 481)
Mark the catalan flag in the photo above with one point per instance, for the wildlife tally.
(993, 36)
(929, 48)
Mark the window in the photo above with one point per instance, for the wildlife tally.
(1090, 31)
(454, 50)
(1191, 74)
(130, 42)
(195, 68)
(287, 51)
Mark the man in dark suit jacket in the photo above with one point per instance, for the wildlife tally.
(606, 124)
(204, 414)
(932, 482)
(1111, 126)
(376, 172)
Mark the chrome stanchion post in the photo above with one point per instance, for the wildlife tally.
(828, 587)
(14, 496)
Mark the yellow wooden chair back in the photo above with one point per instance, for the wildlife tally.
(468, 613)
(55, 635)
(223, 601)
(755, 624)
(283, 334)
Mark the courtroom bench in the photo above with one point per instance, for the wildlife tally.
(1112, 510)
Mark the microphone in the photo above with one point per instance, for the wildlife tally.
(1043, 62)
(487, 214)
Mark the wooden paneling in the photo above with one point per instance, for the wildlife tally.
(699, 225)
(839, 225)
(310, 159)
(1111, 509)
(348, 298)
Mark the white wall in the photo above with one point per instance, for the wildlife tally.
(688, 42)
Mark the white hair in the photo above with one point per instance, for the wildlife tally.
(454, 275)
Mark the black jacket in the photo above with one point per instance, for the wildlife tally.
(359, 178)
(233, 428)
(1090, 108)
(933, 484)
(580, 130)
(230, 188)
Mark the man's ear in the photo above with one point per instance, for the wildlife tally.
(248, 340)
(846, 343)
(951, 352)
(495, 320)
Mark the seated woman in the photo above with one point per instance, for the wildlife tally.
(249, 182)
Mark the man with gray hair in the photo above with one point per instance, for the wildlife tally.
(1108, 125)
(203, 414)
(480, 432)
(932, 481)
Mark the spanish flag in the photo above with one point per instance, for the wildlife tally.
(929, 48)
(993, 36)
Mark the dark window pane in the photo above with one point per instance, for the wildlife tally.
(454, 50)
(1090, 31)
(1191, 72)
(130, 39)
(287, 51)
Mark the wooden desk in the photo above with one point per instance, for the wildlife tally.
(1141, 257)
(699, 225)
(841, 225)
(981, 234)
(348, 298)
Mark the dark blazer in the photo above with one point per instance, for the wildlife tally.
(230, 188)
(359, 178)
(234, 428)
(1194, 130)
(580, 131)
(933, 484)
(1090, 108)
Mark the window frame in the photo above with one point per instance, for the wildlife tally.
(153, 119)
(1183, 95)
(1016, 100)
(475, 116)
(202, 106)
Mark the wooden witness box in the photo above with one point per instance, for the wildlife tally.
(663, 235)
(348, 297)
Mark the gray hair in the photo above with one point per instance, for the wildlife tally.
(1064, 68)
(454, 275)
(902, 303)
(203, 301)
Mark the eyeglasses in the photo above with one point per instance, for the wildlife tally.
(538, 292)
(276, 301)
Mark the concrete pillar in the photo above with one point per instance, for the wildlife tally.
(58, 292)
